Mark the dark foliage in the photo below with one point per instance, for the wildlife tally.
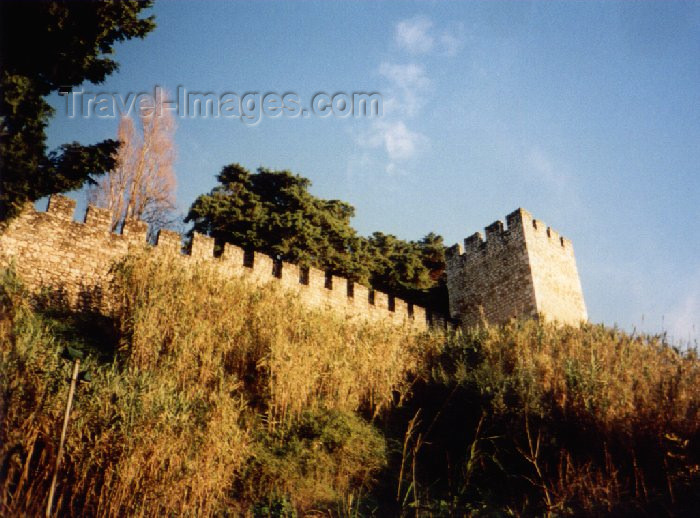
(274, 212)
(47, 47)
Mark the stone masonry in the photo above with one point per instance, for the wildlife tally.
(526, 269)
(53, 253)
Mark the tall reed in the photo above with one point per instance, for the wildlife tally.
(212, 376)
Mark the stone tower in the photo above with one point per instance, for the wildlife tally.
(526, 269)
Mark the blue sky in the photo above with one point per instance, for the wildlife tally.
(586, 114)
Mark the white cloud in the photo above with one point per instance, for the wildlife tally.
(414, 35)
(418, 36)
(409, 76)
(395, 138)
(400, 142)
(409, 85)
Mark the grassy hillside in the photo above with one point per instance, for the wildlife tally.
(214, 397)
(535, 420)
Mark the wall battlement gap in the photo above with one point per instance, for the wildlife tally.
(51, 250)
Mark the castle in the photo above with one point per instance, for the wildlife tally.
(524, 270)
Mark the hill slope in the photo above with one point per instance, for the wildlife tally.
(221, 398)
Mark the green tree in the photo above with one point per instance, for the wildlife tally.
(432, 249)
(274, 212)
(413, 270)
(47, 47)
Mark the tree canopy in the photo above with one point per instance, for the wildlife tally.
(47, 47)
(274, 212)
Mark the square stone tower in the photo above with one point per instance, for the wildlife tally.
(524, 270)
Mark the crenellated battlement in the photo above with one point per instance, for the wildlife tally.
(522, 268)
(519, 223)
(52, 251)
(518, 268)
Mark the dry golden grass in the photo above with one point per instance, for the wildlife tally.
(572, 421)
(617, 377)
(227, 398)
(207, 368)
(206, 329)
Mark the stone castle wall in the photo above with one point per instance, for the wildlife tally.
(51, 251)
(524, 269)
